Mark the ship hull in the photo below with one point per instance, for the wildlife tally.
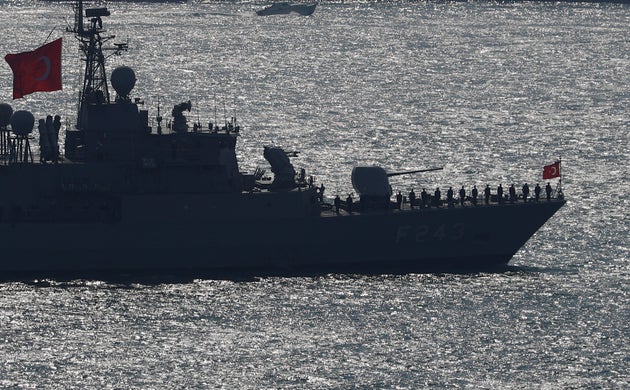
(202, 236)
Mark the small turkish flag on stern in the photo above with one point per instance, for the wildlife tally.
(37, 70)
(551, 171)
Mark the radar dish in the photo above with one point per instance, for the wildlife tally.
(22, 122)
(123, 80)
(5, 114)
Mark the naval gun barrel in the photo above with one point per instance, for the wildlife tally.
(415, 171)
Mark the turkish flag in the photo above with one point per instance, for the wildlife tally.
(37, 70)
(551, 171)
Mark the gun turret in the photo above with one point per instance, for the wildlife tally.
(372, 185)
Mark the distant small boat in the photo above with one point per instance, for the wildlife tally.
(285, 8)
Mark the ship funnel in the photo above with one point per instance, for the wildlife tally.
(123, 80)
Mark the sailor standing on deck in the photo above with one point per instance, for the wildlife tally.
(449, 196)
(44, 144)
(52, 138)
(474, 195)
(320, 195)
(512, 193)
(412, 198)
(486, 193)
(399, 199)
(462, 196)
(548, 191)
(500, 193)
(525, 192)
(56, 128)
(537, 192)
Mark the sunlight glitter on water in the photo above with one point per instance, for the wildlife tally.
(492, 92)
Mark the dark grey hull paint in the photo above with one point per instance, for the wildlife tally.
(212, 237)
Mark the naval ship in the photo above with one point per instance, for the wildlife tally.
(123, 196)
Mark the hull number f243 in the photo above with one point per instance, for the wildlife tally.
(425, 233)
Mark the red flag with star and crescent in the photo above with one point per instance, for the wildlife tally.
(37, 70)
(551, 171)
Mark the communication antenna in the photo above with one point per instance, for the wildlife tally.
(224, 113)
(234, 112)
(215, 109)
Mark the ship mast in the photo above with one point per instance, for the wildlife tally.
(91, 42)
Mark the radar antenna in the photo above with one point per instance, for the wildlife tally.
(95, 89)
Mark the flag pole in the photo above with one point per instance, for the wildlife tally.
(46, 40)
(560, 194)
(560, 165)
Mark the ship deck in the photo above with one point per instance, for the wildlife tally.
(406, 207)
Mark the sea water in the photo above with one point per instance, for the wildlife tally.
(490, 92)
